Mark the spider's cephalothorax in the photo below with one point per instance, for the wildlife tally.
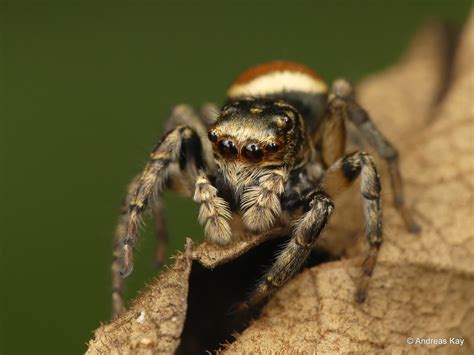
(254, 136)
(273, 157)
(259, 133)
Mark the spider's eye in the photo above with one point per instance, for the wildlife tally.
(272, 147)
(227, 148)
(252, 152)
(212, 135)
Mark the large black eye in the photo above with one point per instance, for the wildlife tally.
(212, 135)
(252, 152)
(227, 148)
(272, 147)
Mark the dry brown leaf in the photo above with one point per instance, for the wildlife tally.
(423, 286)
(150, 325)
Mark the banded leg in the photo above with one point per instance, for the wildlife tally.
(214, 212)
(179, 145)
(184, 114)
(118, 305)
(261, 203)
(339, 177)
(305, 233)
(355, 113)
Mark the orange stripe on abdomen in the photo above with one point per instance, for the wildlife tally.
(275, 66)
(276, 77)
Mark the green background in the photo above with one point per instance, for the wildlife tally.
(85, 88)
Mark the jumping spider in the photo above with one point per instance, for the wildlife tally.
(273, 156)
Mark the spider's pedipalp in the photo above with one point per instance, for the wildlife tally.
(261, 203)
(214, 212)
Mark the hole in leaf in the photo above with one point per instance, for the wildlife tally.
(212, 293)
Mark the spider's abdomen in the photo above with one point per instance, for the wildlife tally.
(294, 83)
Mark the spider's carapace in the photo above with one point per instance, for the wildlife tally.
(294, 83)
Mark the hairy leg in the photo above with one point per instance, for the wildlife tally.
(339, 177)
(185, 115)
(174, 147)
(318, 207)
(118, 305)
(344, 93)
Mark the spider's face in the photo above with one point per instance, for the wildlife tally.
(257, 132)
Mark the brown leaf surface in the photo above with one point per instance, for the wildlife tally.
(154, 322)
(423, 286)
(211, 256)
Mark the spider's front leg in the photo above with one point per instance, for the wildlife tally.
(177, 161)
(178, 145)
(343, 91)
(261, 203)
(318, 207)
(339, 177)
(118, 305)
